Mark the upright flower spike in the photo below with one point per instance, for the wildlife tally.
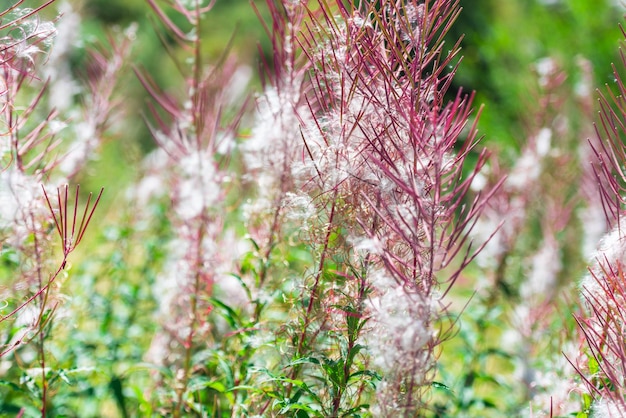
(195, 132)
(383, 161)
(275, 142)
(603, 289)
(23, 37)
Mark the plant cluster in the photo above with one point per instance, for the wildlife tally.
(341, 244)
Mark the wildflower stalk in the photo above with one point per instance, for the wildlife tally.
(71, 237)
(602, 290)
(314, 296)
(274, 142)
(189, 342)
(27, 140)
(379, 166)
(190, 134)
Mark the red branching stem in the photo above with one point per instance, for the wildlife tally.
(36, 294)
(60, 219)
(31, 13)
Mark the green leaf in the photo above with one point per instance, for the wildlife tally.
(59, 374)
(334, 370)
(593, 365)
(354, 351)
(145, 404)
(353, 412)
(13, 386)
(163, 371)
(369, 373)
(117, 387)
(197, 383)
(301, 409)
(439, 385)
(227, 313)
(304, 360)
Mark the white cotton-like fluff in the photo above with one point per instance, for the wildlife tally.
(152, 185)
(28, 36)
(149, 187)
(594, 224)
(546, 264)
(545, 67)
(603, 291)
(264, 130)
(275, 133)
(558, 399)
(490, 229)
(526, 170)
(8, 202)
(611, 250)
(238, 84)
(365, 245)
(173, 278)
(198, 187)
(21, 203)
(543, 141)
(85, 141)
(299, 207)
(159, 352)
(528, 166)
(172, 287)
(229, 288)
(62, 87)
(585, 85)
(556, 388)
(398, 340)
(231, 291)
(479, 182)
(84, 130)
(255, 207)
(607, 408)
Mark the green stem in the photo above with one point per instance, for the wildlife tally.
(314, 296)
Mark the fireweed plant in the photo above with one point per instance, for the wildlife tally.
(603, 289)
(306, 254)
(379, 169)
(195, 145)
(39, 157)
